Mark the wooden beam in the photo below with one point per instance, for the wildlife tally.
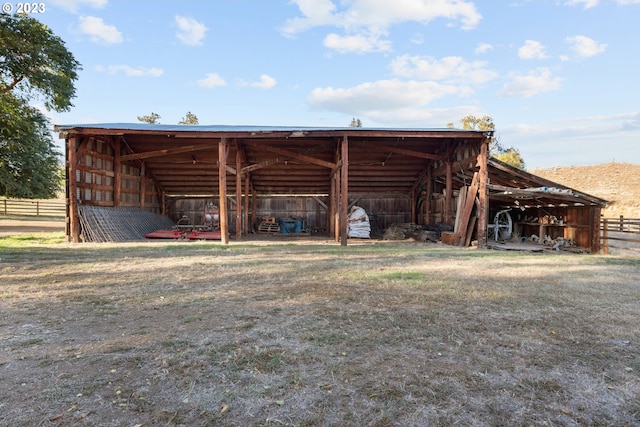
(344, 190)
(465, 215)
(261, 165)
(413, 153)
(483, 196)
(166, 152)
(222, 180)
(292, 154)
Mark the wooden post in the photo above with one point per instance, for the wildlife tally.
(117, 173)
(222, 184)
(331, 212)
(448, 193)
(605, 237)
(247, 181)
(143, 185)
(483, 194)
(238, 193)
(72, 191)
(344, 190)
(595, 212)
(254, 206)
(429, 196)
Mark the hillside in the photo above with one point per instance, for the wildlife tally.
(619, 183)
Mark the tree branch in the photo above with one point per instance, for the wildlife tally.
(12, 85)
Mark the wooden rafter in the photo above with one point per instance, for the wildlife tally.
(293, 155)
(166, 152)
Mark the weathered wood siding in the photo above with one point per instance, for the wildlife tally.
(95, 179)
(382, 211)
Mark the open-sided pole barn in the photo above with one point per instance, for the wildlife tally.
(422, 176)
(144, 166)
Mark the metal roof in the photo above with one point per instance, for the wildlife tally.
(239, 128)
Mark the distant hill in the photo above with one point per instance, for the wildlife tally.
(619, 183)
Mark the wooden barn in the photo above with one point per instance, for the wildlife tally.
(313, 176)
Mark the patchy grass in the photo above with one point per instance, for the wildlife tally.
(315, 335)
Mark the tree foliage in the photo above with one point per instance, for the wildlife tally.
(511, 156)
(35, 65)
(151, 118)
(29, 162)
(355, 123)
(189, 119)
(508, 155)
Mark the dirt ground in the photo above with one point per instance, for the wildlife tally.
(314, 334)
(13, 227)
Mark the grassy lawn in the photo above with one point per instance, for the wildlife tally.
(314, 334)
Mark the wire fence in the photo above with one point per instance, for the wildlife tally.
(621, 234)
(32, 208)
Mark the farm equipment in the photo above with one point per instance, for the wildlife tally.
(184, 229)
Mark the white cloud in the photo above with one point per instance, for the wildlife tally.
(587, 4)
(190, 31)
(483, 48)
(537, 81)
(131, 71)
(265, 82)
(585, 46)
(98, 31)
(73, 5)
(359, 43)
(384, 95)
(532, 50)
(363, 18)
(451, 68)
(211, 80)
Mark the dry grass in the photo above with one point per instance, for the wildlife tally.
(313, 334)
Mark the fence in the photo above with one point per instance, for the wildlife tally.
(24, 207)
(620, 233)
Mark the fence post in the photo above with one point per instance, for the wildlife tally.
(37, 208)
(5, 207)
(605, 243)
(621, 223)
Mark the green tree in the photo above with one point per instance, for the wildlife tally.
(35, 65)
(189, 119)
(29, 162)
(151, 118)
(355, 123)
(509, 155)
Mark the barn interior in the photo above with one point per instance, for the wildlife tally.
(245, 180)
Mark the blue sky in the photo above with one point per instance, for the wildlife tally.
(559, 77)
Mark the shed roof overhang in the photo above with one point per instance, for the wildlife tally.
(516, 188)
(183, 159)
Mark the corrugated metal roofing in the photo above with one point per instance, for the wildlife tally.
(240, 128)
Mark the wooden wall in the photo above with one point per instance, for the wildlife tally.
(96, 179)
(382, 211)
